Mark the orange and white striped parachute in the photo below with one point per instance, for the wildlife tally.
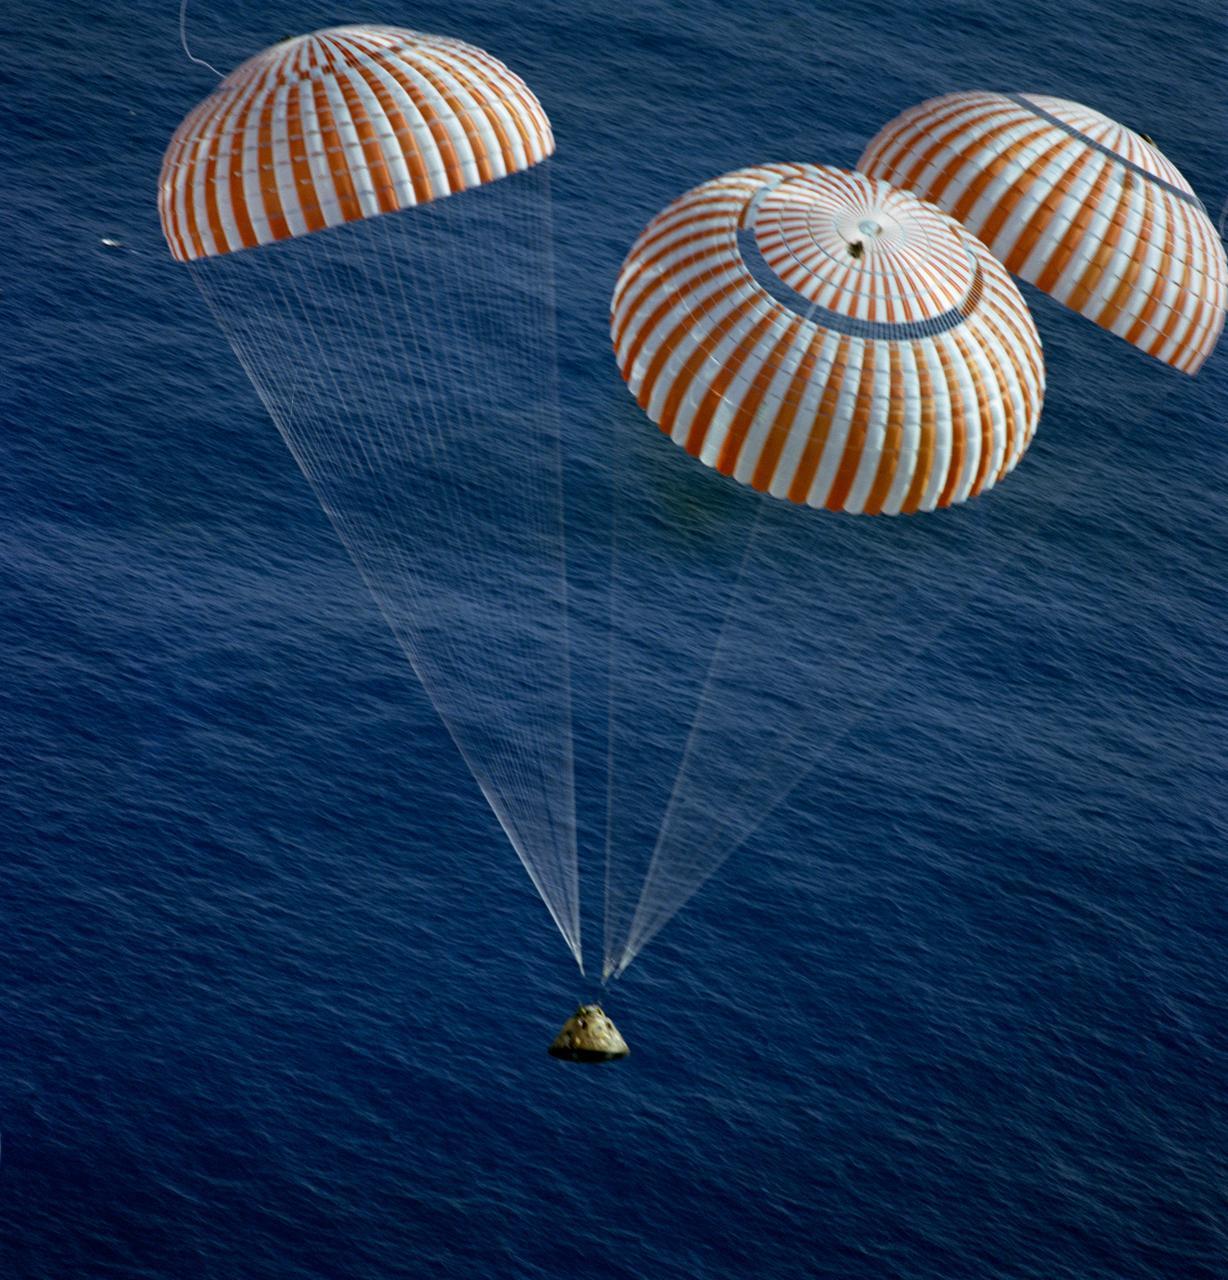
(411, 365)
(339, 125)
(826, 338)
(1074, 203)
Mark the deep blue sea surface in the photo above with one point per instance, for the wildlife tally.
(274, 990)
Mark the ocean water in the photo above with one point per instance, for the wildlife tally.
(275, 992)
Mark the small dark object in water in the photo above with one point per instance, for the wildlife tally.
(855, 248)
(589, 1036)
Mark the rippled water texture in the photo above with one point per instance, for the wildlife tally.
(276, 993)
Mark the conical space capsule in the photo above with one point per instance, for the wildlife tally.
(589, 1035)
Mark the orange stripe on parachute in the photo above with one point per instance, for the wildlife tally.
(735, 438)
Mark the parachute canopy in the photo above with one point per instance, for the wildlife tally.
(825, 338)
(1074, 203)
(341, 125)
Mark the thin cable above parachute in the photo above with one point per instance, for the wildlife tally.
(183, 40)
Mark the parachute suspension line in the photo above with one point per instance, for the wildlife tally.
(612, 965)
(516, 765)
(694, 840)
(426, 422)
(183, 40)
(609, 911)
(668, 888)
(528, 506)
(526, 258)
(461, 522)
(545, 322)
(1223, 218)
(666, 891)
(420, 667)
(538, 326)
(534, 326)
